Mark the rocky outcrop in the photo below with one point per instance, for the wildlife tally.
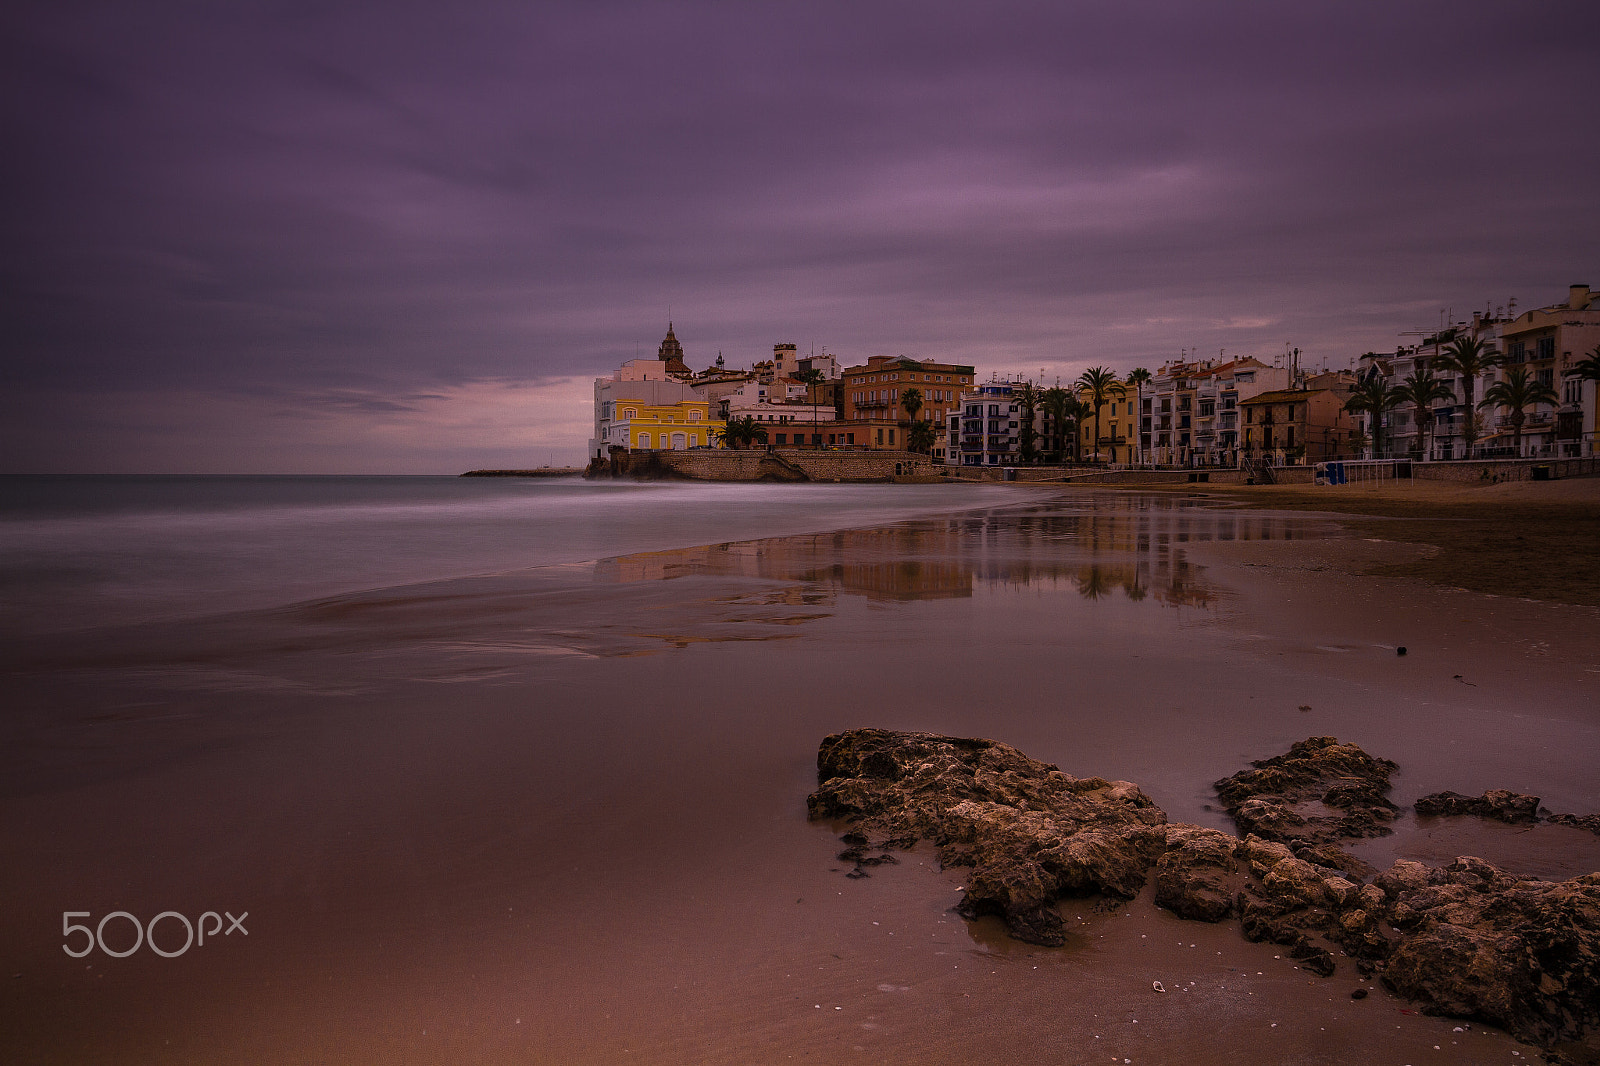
(1467, 940)
(1476, 943)
(1317, 794)
(1031, 834)
(1497, 803)
(1588, 822)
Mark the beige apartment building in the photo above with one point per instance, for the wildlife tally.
(1307, 425)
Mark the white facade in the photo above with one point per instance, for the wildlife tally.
(1189, 412)
(984, 429)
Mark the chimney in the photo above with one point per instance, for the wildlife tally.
(1578, 300)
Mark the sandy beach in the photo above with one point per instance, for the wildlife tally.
(558, 815)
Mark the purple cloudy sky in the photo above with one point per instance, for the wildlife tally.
(405, 237)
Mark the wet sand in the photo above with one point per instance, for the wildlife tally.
(558, 816)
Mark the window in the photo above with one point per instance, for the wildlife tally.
(644, 440)
(783, 438)
(1545, 348)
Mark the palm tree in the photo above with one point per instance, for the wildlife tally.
(811, 377)
(1421, 389)
(1470, 358)
(1055, 404)
(1028, 401)
(1514, 392)
(911, 400)
(1077, 411)
(921, 435)
(1588, 368)
(1101, 384)
(1138, 377)
(742, 433)
(1373, 397)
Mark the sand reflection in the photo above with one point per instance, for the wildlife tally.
(1130, 547)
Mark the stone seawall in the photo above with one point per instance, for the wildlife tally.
(1477, 471)
(1072, 475)
(770, 464)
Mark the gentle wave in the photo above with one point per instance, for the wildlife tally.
(92, 551)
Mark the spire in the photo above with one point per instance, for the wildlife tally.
(671, 352)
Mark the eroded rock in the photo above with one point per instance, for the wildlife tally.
(1468, 940)
(1030, 833)
(1318, 793)
(1501, 804)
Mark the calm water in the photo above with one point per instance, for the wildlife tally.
(81, 551)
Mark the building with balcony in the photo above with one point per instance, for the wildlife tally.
(1546, 343)
(874, 393)
(984, 426)
(1189, 414)
(1307, 425)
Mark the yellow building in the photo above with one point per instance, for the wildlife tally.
(669, 427)
(1117, 428)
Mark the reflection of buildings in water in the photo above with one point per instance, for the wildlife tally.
(1097, 545)
(893, 563)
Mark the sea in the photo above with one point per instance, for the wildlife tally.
(81, 551)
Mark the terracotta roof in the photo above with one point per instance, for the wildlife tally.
(1283, 396)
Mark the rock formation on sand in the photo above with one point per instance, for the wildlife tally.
(1467, 940)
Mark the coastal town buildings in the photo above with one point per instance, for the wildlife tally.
(635, 424)
(985, 427)
(1189, 413)
(875, 393)
(1115, 443)
(1548, 342)
(650, 403)
(1304, 425)
(1545, 343)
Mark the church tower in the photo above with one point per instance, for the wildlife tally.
(671, 353)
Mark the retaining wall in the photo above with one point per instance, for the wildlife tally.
(1492, 470)
(774, 464)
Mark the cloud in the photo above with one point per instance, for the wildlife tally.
(494, 424)
(376, 204)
